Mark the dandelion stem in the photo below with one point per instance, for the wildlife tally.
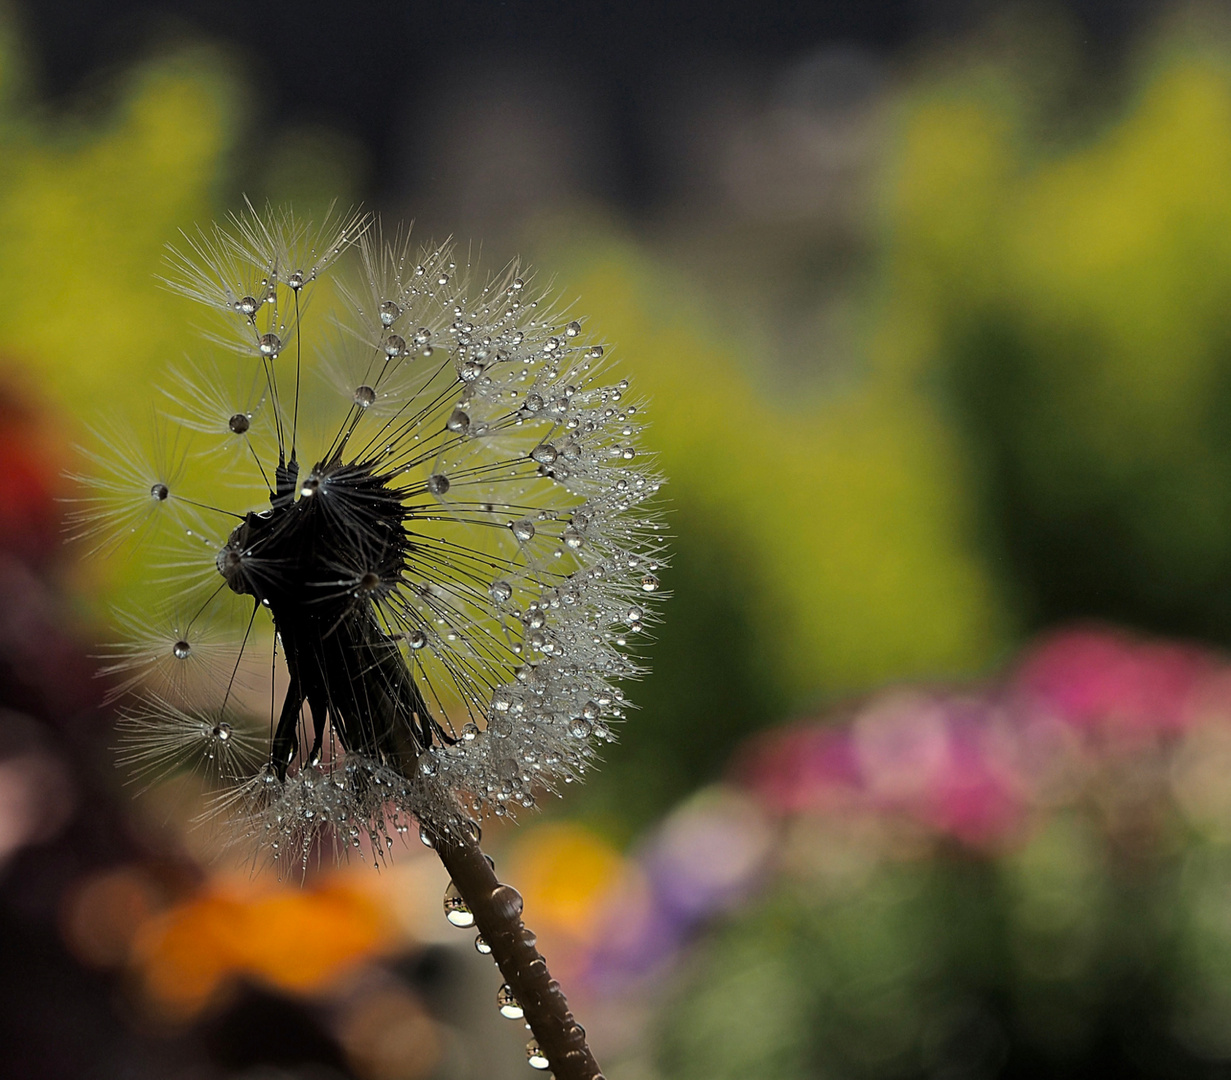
(497, 914)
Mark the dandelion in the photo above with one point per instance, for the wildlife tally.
(435, 500)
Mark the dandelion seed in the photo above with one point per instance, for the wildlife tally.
(447, 569)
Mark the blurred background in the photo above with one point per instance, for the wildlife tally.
(932, 776)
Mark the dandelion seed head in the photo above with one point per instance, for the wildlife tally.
(449, 555)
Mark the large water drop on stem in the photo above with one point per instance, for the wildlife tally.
(457, 911)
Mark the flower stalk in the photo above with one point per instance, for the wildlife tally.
(497, 909)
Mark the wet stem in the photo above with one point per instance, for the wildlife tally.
(497, 915)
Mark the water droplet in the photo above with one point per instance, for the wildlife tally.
(544, 454)
(591, 711)
(456, 909)
(270, 344)
(295, 281)
(246, 305)
(635, 614)
(481, 946)
(535, 1056)
(364, 396)
(572, 537)
(422, 336)
(649, 583)
(427, 766)
(507, 901)
(239, 423)
(181, 649)
(470, 371)
(533, 403)
(160, 492)
(579, 728)
(222, 731)
(458, 421)
(523, 529)
(516, 285)
(438, 484)
(425, 837)
(394, 345)
(501, 591)
(443, 279)
(536, 618)
(310, 487)
(595, 353)
(507, 1003)
(470, 732)
(416, 639)
(389, 311)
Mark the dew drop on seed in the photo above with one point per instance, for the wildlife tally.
(270, 344)
(443, 279)
(590, 710)
(456, 909)
(533, 403)
(470, 732)
(595, 353)
(458, 421)
(425, 837)
(523, 530)
(535, 1056)
(572, 537)
(635, 614)
(365, 396)
(579, 727)
(246, 305)
(394, 345)
(481, 946)
(239, 423)
(427, 765)
(310, 487)
(544, 454)
(573, 329)
(517, 285)
(501, 591)
(422, 336)
(507, 1003)
(416, 639)
(389, 311)
(295, 281)
(438, 484)
(222, 731)
(160, 492)
(649, 583)
(181, 649)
